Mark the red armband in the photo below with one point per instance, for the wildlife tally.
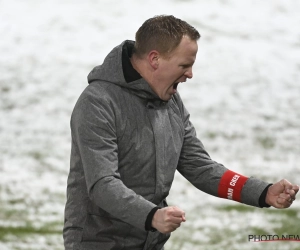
(230, 186)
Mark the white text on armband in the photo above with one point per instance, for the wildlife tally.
(234, 180)
(230, 193)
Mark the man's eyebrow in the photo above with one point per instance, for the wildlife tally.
(187, 64)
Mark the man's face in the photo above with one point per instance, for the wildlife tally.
(174, 69)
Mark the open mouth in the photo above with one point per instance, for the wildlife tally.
(175, 85)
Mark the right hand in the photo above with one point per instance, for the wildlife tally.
(281, 194)
(168, 219)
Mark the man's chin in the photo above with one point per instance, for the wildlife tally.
(166, 97)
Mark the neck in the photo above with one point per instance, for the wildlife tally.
(140, 65)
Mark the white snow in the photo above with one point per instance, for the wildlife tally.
(244, 98)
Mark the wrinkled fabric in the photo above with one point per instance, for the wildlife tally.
(126, 146)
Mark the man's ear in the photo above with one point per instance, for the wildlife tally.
(153, 56)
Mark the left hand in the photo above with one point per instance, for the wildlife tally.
(281, 194)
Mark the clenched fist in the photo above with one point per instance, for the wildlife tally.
(281, 194)
(168, 219)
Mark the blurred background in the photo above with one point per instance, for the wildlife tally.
(244, 101)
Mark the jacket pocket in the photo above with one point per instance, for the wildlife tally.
(100, 229)
(109, 233)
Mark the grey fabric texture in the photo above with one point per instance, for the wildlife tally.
(126, 147)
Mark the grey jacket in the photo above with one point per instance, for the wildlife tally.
(126, 147)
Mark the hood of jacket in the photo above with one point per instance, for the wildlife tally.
(112, 71)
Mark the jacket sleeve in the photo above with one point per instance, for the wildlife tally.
(93, 128)
(198, 168)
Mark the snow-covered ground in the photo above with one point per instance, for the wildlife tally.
(244, 101)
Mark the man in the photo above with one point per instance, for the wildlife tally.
(130, 132)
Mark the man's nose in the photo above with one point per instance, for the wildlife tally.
(189, 73)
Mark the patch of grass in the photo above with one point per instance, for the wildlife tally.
(288, 227)
(219, 235)
(36, 155)
(276, 222)
(11, 214)
(268, 117)
(290, 212)
(26, 230)
(5, 89)
(8, 106)
(22, 227)
(266, 142)
(16, 201)
(237, 207)
(258, 231)
(211, 134)
(289, 221)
